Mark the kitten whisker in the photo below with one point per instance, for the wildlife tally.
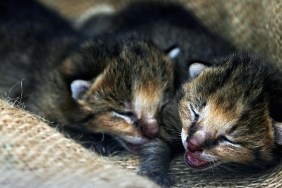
(227, 167)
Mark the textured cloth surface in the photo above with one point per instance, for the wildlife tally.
(219, 177)
(31, 149)
(250, 24)
(33, 154)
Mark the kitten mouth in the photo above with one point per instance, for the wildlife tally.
(193, 161)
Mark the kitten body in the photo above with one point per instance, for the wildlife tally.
(229, 113)
(111, 84)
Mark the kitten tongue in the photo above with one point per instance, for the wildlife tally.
(192, 161)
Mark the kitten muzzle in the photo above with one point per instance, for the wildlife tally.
(193, 161)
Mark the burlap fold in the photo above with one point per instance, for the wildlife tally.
(33, 154)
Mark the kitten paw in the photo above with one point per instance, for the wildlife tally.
(164, 180)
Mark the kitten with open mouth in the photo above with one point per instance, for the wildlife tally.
(231, 113)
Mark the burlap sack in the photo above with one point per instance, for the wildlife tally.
(35, 155)
(255, 25)
(249, 24)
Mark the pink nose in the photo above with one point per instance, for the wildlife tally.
(193, 147)
(151, 129)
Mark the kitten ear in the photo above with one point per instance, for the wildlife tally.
(173, 52)
(78, 88)
(278, 132)
(196, 69)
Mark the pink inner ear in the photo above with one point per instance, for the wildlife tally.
(78, 87)
(278, 132)
(196, 69)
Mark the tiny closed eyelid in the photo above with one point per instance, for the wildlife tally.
(124, 112)
(223, 138)
(196, 115)
(127, 116)
(227, 139)
(193, 109)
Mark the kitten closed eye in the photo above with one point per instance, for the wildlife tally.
(223, 138)
(194, 114)
(238, 121)
(129, 117)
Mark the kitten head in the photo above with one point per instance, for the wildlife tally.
(226, 113)
(135, 81)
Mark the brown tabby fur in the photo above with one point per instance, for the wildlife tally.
(42, 55)
(237, 105)
(129, 85)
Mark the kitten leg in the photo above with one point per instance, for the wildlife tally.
(154, 163)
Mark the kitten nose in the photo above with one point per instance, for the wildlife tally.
(151, 129)
(193, 147)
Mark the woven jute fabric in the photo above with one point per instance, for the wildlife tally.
(35, 155)
(218, 177)
(32, 154)
(249, 24)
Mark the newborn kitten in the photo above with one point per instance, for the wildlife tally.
(112, 84)
(229, 112)
(232, 113)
